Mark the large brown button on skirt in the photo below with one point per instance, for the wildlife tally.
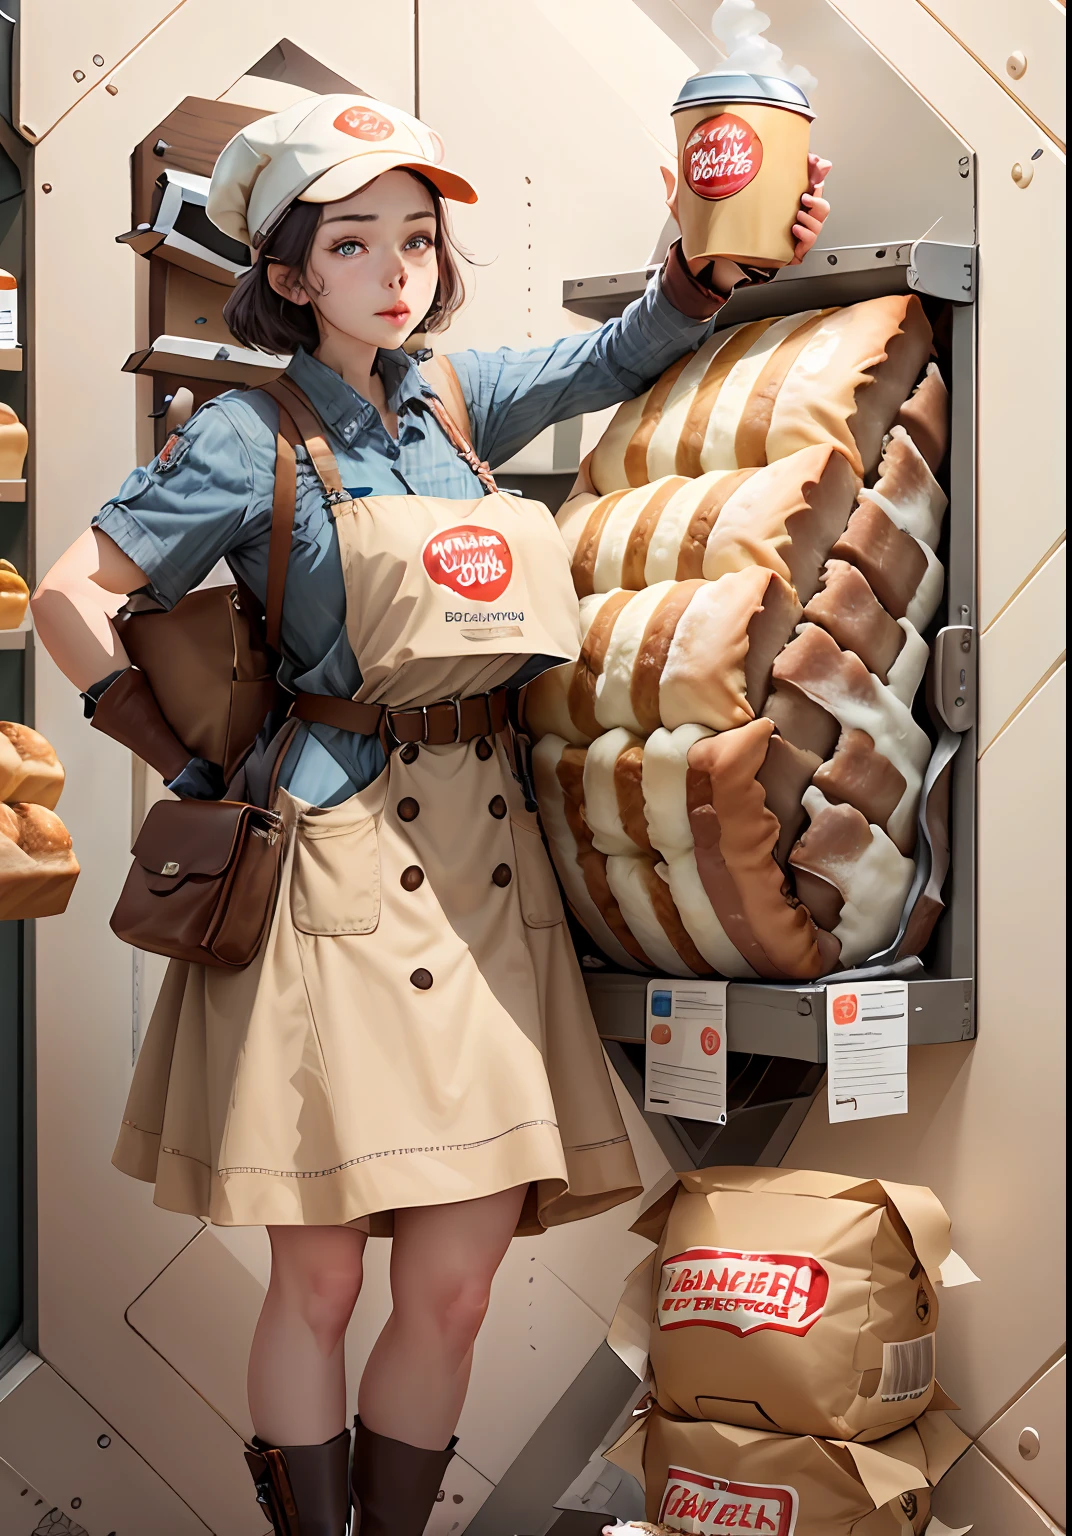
(412, 877)
(410, 752)
(483, 749)
(421, 979)
(502, 874)
(497, 807)
(408, 809)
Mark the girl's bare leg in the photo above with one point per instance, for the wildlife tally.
(297, 1379)
(443, 1261)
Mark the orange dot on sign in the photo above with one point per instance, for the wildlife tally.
(710, 1040)
(845, 1008)
(660, 1034)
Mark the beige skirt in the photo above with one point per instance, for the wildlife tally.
(414, 1032)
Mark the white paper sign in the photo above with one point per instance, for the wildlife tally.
(867, 1049)
(686, 1050)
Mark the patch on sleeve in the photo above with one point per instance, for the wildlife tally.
(172, 451)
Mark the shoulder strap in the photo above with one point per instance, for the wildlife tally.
(295, 404)
(284, 501)
(450, 411)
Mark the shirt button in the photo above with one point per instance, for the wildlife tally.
(497, 807)
(412, 878)
(410, 752)
(502, 874)
(483, 749)
(421, 979)
(408, 809)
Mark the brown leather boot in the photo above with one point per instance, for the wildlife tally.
(394, 1485)
(303, 1488)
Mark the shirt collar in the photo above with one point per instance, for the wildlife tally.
(340, 407)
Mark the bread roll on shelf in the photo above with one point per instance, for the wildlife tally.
(925, 416)
(29, 768)
(14, 596)
(646, 903)
(13, 443)
(907, 491)
(852, 877)
(38, 868)
(613, 795)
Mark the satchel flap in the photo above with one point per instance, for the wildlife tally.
(180, 838)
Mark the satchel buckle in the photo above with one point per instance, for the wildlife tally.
(171, 867)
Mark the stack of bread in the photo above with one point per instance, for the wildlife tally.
(729, 777)
(789, 1321)
(38, 867)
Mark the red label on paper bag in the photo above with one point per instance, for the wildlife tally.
(362, 123)
(706, 1506)
(742, 1292)
(721, 156)
(472, 561)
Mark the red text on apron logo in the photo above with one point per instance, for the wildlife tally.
(472, 561)
(742, 1292)
(707, 1506)
(721, 156)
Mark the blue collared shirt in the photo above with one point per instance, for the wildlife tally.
(211, 499)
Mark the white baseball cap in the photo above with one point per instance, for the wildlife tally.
(321, 149)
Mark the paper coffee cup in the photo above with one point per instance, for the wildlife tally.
(742, 166)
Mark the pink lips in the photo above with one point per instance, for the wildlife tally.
(397, 315)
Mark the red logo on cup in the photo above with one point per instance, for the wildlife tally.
(845, 1008)
(710, 1041)
(472, 561)
(721, 155)
(362, 123)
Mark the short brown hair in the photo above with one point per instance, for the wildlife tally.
(259, 317)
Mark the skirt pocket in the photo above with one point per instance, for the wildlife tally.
(541, 904)
(335, 884)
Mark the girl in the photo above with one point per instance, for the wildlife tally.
(412, 1051)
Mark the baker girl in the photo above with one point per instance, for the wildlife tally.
(412, 1052)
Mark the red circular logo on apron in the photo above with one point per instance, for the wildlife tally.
(472, 561)
(361, 123)
(721, 155)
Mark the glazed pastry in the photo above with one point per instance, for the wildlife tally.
(29, 768)
(38, 867)
(759, 392)
(14, 596)
(851, 876)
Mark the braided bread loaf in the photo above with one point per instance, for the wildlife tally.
(729, 777)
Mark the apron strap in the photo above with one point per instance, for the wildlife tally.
(461, 444)
(310, 432)
(284, 502)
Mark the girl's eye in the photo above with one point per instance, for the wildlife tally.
(419, 242)
(347, 248)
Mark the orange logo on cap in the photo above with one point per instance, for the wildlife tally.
(362, 123)
(845, 1008)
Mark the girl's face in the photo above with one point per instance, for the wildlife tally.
(372, 272)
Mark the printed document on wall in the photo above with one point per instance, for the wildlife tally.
(867, 1049)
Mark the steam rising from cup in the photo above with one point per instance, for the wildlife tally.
(738, 26)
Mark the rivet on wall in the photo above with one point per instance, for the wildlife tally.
(113, 90)
(46, 186)
(1016, 64)
(98, 60)
(1022, 175)
(79, 74)
(1029, 1444)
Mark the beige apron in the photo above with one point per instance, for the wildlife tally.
(415, 1030)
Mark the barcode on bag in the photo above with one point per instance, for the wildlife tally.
(907, 1369)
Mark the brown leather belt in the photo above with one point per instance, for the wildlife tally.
(431, 725)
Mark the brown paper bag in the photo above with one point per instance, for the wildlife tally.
(802, 1302)
(705, 1479)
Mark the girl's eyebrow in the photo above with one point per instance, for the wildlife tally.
(371, 218)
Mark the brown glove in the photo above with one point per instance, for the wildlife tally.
(127, 711)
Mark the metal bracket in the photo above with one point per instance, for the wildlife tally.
(944, 271)
(954, 667)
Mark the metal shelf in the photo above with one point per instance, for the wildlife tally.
(16, 639)
(770, 1020)
(12, 490)
(858, 271)
(10, 359)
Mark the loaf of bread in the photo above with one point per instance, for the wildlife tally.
(851, 877)
(14, 596)
(925, 416)
(13, 444)
(758, 392)
(880, 754)
(38, 868)
(686, 652)
(29, 767)
(785, 516)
